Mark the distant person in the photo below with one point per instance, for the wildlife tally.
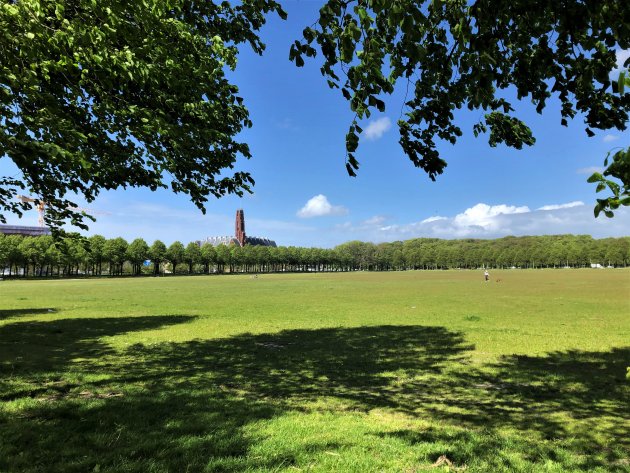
(486, 275)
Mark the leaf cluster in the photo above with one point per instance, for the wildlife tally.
(112, 94)
(616, 178)
(453, 54)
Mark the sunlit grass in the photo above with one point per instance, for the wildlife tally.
(317, 372)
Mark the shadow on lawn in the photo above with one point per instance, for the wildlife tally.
(564, 404)
(36, 346)
(178, 406)
(11, 313)
(530, 390)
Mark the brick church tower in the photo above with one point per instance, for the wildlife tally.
(239, 237)
(239, 232)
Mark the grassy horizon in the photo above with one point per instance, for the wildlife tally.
(317, 372)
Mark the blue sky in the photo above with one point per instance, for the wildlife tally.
(304, 197)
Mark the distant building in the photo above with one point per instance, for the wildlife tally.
(24, 231)
(239, 238)
(219, 240)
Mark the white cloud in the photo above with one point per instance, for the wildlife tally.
(610, 138)
(433, 219)
(484, 221)
(576, 203)
(319, 206)
(483, 215)
(377, 128)
(376, 220)
(590, 170)
(622, 55)
(495, 221)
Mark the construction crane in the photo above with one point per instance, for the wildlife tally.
(40, 205)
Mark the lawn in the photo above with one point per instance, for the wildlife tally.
(358, 372)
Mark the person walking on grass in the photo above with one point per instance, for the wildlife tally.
(486, 275)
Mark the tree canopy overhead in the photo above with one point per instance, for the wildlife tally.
(106, 94)
(455, 53)
(109, 94)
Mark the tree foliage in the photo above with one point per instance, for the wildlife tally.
(157, 255)
(109, 94)
(192, 256)
(115, 251)
(137, 253)
(453, 54)
(45, 256)
(617, 179)
(175, 254)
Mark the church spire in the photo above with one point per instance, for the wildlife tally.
(239, 232)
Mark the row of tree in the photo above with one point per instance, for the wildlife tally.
(44, 256)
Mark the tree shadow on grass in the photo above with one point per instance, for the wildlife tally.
(529, 390)
(586, 384)
(573, 403)
(198, 405)
(34, 351)
(178, 406)
(367, 367)
(570, 408)
(12, 313)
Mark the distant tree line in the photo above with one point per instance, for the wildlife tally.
(44, 256)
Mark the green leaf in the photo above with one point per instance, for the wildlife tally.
(375, 102)
(355, 31)
(350, 170)
(595, 177)
(348, 45)
(363, 15)
(352, 141)
(309, 34)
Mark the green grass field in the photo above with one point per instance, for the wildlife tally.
(352, 372)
